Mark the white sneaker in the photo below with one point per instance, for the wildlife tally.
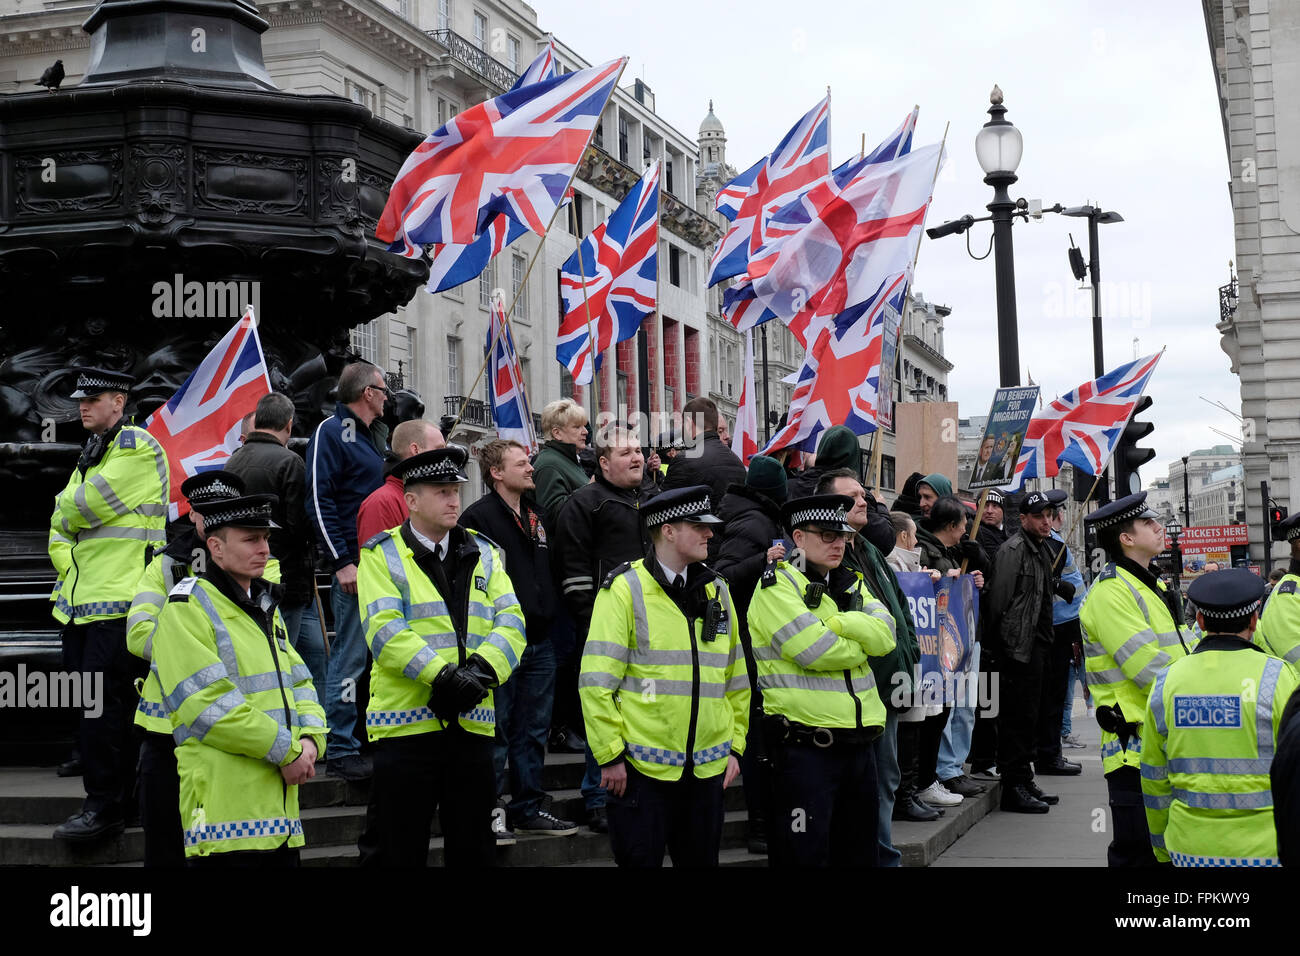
(937, 795)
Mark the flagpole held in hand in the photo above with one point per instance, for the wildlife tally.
(979, 515)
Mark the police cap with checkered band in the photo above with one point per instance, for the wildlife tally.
(441, 466)
(1226, 594)
(249, 511)
(691, 504)
(215, 485)
(821, 512)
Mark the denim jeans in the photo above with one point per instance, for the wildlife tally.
(888, 777)
(955, 745)
(1067, 723)
(523, 706)
(342, 675)
(307, 638)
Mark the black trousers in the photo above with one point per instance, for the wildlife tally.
(450, 771)
(160, 797)
(909, 737)
(1131, 843)
(566, 710)
(682, 816)
(984, 736)
(1051, 707)
(108, 747)
(1021, 692)
(927, 752)
(825, 806)
(280, 858)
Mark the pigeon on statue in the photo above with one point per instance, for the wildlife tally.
(52, 76)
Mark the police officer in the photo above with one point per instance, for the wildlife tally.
(813, 625)
(186, 555)
(1211, 726)
(665, 692)
(112, 510)
(1279, 624)
(445, 628)
(1132, 630)
(244, 713)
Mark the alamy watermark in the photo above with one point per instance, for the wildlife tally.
(179, 299)
(75, 690)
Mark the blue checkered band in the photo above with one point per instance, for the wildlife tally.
(94, 608)
(398, 718)
(675, 758)
(242, 830)
(687, 509)
(817, 514)
(1184, 859)
(720, 752)
(151, 709)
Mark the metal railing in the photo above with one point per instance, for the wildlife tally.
(477, 412)
(479, 62)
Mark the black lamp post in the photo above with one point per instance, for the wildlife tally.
(1174, 530)
(998, 147)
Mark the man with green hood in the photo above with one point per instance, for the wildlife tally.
(837, 448)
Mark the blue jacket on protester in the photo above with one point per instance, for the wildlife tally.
(344, 464)
(1063, 610)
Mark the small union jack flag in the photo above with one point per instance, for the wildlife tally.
(608, 285)
(506, 382)
(1084, 425)
(513, 156)
(199, 426)
(744, 440)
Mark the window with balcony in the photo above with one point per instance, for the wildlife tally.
(518, 266)
(480, 30)
(444, 14)
(453, 365)
(365, 341)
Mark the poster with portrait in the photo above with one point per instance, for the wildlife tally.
(893, 326)
(999, 450)
(945, 615)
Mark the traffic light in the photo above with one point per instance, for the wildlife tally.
(1128, 456)
(1276, 515)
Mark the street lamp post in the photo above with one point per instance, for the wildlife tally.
(998, 147)
(1174, 530)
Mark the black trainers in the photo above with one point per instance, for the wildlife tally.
(547, 824)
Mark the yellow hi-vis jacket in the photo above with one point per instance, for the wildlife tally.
(655, 687)
(104, 523)
(1211, 726)
(240, 700)
(164, 572)
(1279, 626)
(812, 663)
(1129, 637)
(412, 636)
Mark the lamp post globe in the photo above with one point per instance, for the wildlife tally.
(998, 144)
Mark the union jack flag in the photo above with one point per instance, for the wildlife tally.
(199, 426)
(542, 67)
(506, 382)
(839, 381)
(1084, 425)
(608, 285)
(513, 156)
(744, 440)
(801, 159)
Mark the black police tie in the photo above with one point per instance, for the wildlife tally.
(679, 582)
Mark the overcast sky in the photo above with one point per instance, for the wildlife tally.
(1116, 102)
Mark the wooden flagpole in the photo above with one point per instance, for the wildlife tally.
(523, 284)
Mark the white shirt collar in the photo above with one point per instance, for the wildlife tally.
(439, 548)
(669, 573)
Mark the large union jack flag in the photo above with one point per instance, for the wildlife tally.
(1084, 425)
(199, 426)
(608, 285)
(801, 159)
(513, 156)
(506, 382)
(839, 380)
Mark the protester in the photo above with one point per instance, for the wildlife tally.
(865, 554)
(1067, 648)
(837, 448)
(268, 467)
(523, 703)
(345, 463)
(705, 460)
(752, 537)
(908, 502)
(557, 472)
(385, 507)
(1019, 606)
(599, 529)
(991, 536)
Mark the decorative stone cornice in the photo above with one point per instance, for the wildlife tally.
(364, 21)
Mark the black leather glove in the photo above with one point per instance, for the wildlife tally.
(1065, 590)
(972, 552)
(454, 690)
(483, 671)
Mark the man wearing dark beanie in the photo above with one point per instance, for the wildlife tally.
(752, 537)
(837, 448)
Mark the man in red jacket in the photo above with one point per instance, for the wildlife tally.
(385, 507)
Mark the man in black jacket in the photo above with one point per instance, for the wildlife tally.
(752, 537)
(599, 528)
(523, 703)
(268, 467)
(705, 460)
(1020, 614)
(984, 738)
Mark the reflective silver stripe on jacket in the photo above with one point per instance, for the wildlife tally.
(1264, 707)
(388, 547)
(638, 611)
(1259, 800)
(151, 535)
(769, 681)
(653, 686)
(1157, 704)
(1240, 766)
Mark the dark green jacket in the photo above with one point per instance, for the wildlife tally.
(557, 474)
(866, 558)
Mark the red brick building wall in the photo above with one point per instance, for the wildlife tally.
(672, 369)
(692, 361)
